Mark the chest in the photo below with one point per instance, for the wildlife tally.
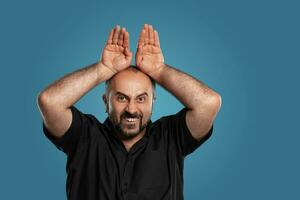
(149, 168)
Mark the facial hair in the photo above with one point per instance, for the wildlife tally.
(120, 126)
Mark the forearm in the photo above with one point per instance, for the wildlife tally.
(70, 88)
(193, 93)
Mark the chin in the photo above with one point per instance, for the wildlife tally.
(134, 131)
(129, 134)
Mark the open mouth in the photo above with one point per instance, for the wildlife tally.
(130, 120)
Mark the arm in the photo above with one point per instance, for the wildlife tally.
(55, 101)
(202, 102)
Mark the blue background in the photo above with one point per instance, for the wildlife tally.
(248, 51)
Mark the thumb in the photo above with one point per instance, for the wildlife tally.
(127, 52)
(128, 55)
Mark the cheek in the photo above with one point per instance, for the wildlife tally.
(147, 110)
(116, 108)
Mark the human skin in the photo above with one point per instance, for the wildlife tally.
(130, 94)
(54, 101)
(202, 102)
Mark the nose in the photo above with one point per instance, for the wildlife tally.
(131, 107)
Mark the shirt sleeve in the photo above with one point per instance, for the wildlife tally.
(181, 135)
(77, 134)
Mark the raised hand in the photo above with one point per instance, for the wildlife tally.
(116, 54)
(149, 57)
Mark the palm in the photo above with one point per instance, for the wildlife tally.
(149, 56)
(116, 54)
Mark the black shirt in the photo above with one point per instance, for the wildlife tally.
(99, 166)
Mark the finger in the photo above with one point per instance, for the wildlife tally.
(116, 34)
(156, 39)
(142, 39)
(138, 57)
(126, 40)
(151, 35)
(121, 37)
(146, 38)
(128, 53)
(110, 37)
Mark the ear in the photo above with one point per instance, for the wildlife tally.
(154, 97)
(105, 100)
(153, 100)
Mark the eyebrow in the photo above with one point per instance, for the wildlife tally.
(120, 93)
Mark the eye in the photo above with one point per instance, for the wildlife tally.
(121, 98)
(141, 99)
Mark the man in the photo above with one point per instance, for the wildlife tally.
(128, 156)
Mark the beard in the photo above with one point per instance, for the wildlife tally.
(128, 130)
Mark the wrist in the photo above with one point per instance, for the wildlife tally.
(157, 74)
(104, 72)
(108, 67)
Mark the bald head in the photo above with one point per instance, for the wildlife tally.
(130, 78)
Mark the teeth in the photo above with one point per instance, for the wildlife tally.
(130, 119)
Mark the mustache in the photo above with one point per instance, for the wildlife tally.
(130, 115)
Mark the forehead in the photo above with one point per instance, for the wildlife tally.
(131, 83)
